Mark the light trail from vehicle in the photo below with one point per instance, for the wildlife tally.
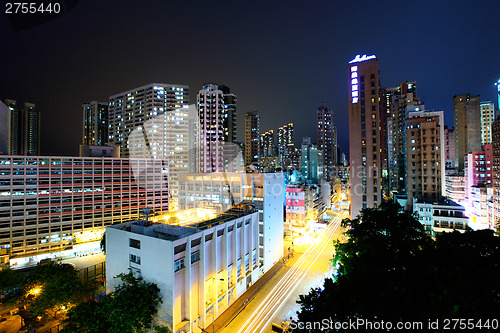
(262, 316)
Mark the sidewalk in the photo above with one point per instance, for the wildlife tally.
(278, 271)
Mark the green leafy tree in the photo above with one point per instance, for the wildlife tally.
(130, 308)
(52, 286)
(9, 279)
(393, 271)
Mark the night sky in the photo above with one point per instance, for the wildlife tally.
(281, 58)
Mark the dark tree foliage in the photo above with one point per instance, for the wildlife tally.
(9, 279)
(57, 285)
(130, 308)
(393, 271)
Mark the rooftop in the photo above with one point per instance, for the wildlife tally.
(173, 232)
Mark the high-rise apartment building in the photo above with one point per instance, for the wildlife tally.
(311, 162)
(404, 99)
(386, 134)
(495, 143)
(425, 163)
(327, 140)
(449, 147)
(4, 128)
(252, 137)
(267, 144)
(364, 133)
(24, 129)
(95, 123)
(217, 114)
(467, 124)
(285, 136)
(129, 111)
(487, 118)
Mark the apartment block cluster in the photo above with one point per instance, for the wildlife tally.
(401, 149)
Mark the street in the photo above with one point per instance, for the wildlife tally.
(277, 299)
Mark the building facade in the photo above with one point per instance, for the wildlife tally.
(495, 137)
(220, 190)
(24, 129)
(217, 115)
(449, 148)
(129, 110)
(312, 162)
(467, 127)
(252, 137)
(425, 162)
(487, 110)
(327, 140)
(57, 204)
(95, 123)
(441, 216)
(267, 144)
(202, 269)
(4, 129)
(364, 133)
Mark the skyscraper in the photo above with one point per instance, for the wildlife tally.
(487, 117)
(495, 142)
(449, 147)
(425, 159)
(217, 113)
(285, 136)
(404, 98)
(129, 110)
(364, 133)
(267, 144)
(467, 123)
(24, 129)
(95, 123)
(4, 128)
(327, 139)
(311, 161)
(252, 137)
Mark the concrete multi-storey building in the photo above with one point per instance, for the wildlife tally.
(441, 216)
(425, 161)
(286, 146)
(217, 115)
(311, 162)
(24, 129)
(455, 188)
(364, 133)
(449, 148)
(203, 267)
(267, 144)
(327, 140)
(57, 204)
(487, 110)
(95, 123)
(252, 137)
(478, 168)
(4, 128)
(129, 110)
(404, 99)
(467, 127)
(495, 143)
(220, 190)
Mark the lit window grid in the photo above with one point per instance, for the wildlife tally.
(43, 205)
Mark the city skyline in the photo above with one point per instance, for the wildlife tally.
(66, 73)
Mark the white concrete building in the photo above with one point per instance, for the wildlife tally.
(218, 190)
(200, 269)
(437, 217)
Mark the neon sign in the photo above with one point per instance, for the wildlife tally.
(354, 84)
(360, 58)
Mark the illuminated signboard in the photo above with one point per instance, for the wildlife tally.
(360, 58)
(354, 84)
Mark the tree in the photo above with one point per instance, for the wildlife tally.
(130, 308)
(52, 286)
(103, 242)
(9, 279)
(393, 271)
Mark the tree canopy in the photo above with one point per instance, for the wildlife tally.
(52, 286)
(391, 270)
(130, 308)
